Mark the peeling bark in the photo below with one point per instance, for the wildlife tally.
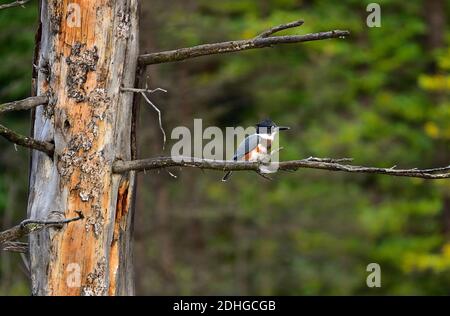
(81, 68)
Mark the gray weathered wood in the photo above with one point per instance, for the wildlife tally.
(89, 122)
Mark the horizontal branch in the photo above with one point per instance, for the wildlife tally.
(30, 225)
(26, 141)
(14, 246)
(260, 41)
(25, 104)
(312, 163)
(16, 3)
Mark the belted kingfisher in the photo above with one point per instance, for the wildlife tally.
(257, 147)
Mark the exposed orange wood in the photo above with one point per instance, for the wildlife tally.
(88, 184)
(114, 257)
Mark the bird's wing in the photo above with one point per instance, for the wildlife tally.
(248, 144)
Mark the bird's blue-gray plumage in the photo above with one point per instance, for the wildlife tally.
(247, 145)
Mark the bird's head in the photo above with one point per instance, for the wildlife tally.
(267, 126)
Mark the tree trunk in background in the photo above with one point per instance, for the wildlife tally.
(87, 50)
(435, 18)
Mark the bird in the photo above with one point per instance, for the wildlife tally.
(257, 147)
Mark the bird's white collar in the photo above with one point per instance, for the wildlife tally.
(270, 137)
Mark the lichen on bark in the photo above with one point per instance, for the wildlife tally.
(80, 61)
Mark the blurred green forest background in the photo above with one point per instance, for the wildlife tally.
(380, 96)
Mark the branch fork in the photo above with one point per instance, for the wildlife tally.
(262, 40)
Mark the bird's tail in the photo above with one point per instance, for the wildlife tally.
(227, 176)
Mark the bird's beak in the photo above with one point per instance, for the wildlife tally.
(283, 128)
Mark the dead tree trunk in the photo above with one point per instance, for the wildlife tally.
(87, 50)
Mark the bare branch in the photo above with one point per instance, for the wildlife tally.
(137, 90)
(14, 246)
(279, 28)
(235, 46)
(25, 141)
(51, 223)
(159, 117)
(29, 226)
(16, 3)
(25, 104)
(312, 163)
(143, 92)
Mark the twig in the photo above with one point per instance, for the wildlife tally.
(143, 93)
(171, 174)
(14, 4)
(25, 141)
(159, 117)
(137, 90)
(25, 104)
(275, 151)
(329, 159)
(235, 46)
(312, 163)
(51, 223)
(279, 28)
(264, 176)
(32, 225)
